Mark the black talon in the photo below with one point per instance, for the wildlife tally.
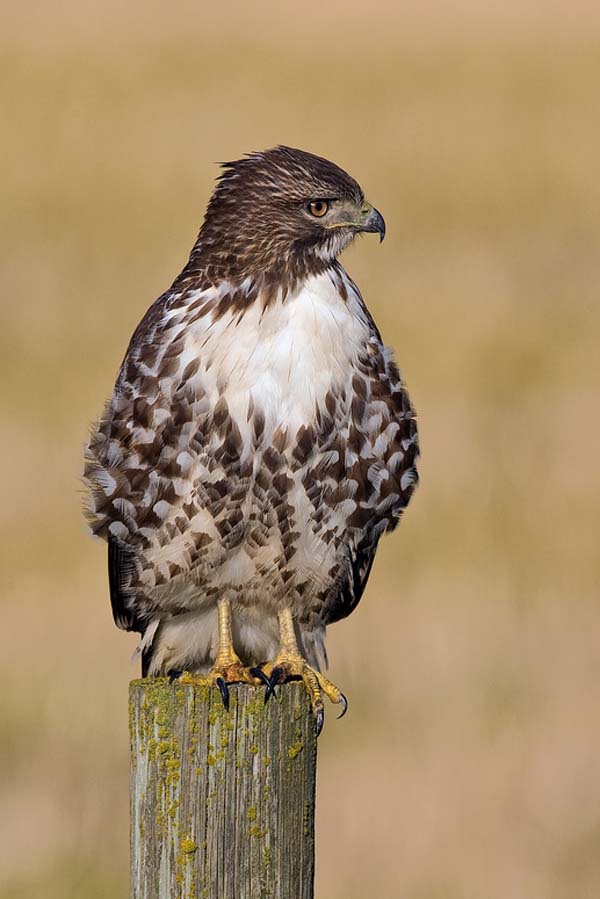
(174, 675)
(224, 690)
(344, 705)
(260, 674)
(319, 717)
(270, 691)
(277, 676)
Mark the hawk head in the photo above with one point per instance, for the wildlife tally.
(281, 215)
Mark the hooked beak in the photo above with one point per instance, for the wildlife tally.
(373, 222)
(367, 219)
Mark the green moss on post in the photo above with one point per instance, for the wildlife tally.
(222, 802)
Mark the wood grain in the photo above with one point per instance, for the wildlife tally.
(222, 802)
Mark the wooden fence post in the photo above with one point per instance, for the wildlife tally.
(222, 802)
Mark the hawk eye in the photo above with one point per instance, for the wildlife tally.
(318, 208)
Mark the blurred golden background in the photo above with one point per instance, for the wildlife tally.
(469, 765)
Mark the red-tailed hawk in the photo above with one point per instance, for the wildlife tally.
(259, 440)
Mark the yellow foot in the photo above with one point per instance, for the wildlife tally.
(224, 671)
(292, 667)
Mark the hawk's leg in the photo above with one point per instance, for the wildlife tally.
(227, 667)
(290, 664)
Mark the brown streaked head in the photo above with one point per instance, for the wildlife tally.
(279, 216)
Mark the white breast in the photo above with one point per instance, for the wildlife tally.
(283, 359)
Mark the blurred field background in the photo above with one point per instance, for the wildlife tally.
(469, 765)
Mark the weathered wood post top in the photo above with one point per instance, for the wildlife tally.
(222, 801)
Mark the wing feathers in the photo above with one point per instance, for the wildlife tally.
(121, 566)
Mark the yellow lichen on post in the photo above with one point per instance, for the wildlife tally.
(222, 801)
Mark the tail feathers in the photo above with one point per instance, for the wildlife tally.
(312, 647)
(144, 648)
(184, 642)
